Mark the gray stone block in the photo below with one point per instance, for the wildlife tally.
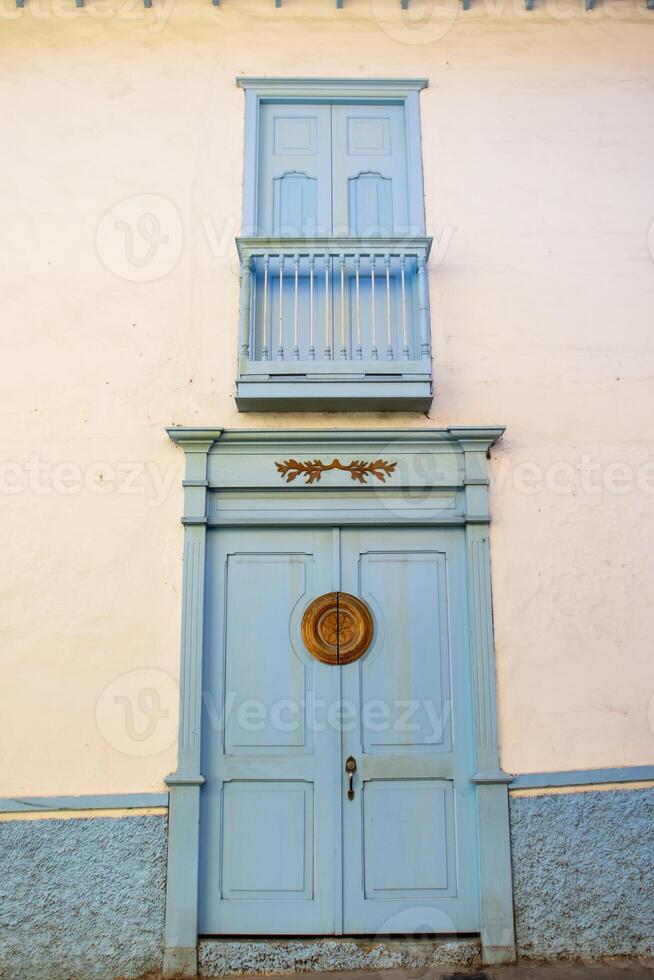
(82, 899)
(583, 873)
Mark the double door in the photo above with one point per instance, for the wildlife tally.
(337, 796)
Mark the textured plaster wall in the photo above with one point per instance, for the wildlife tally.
(82, 898)
(583, 873)
(537, 151)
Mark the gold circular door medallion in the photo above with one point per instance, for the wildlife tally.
(337, 628)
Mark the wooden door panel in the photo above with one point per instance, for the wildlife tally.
(270, 808)
(256, 812)
(284, 851)
(409, 833)
(420, 812)
(294, 183)
(253, 683)
(369, 170)
(407, 669)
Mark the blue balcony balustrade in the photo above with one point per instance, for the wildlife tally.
(334, 324)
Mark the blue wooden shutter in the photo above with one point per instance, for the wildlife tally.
(294, 193)
(369, 164)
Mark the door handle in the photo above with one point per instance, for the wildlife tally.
(350, 769)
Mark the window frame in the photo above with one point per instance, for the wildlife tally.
(399, 91)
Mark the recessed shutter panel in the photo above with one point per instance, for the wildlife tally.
(294, 198)
(369, 163)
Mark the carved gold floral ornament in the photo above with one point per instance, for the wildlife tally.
(313, 469)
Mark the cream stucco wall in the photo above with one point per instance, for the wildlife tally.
(538, 150)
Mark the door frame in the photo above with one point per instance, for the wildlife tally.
(436, 477)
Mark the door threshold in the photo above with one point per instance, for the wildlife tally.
(226, 956)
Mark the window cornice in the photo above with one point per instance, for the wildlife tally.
(351, 88)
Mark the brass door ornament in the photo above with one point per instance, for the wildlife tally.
(337, 628)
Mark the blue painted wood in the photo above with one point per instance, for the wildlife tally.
(433, 460)
(427, 460)
(333, 169)
(583, 777)
(272, 773)
(282, 780)
(295, 202)
(361, 309)
(250, 162)
(301, 395)
(370, 203)
(260, 509)
(497, 929)
(414, 158)
(308, 86)
(406, 90)
(258, 90)
(410, 831)
(370, 170)
(294, 172)
(180, 930)
(96, 801)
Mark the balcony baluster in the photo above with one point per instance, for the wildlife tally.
(331, 340)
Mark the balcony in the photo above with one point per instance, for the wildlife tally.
(333, 324)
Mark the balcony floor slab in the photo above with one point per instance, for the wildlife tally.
(274, 395)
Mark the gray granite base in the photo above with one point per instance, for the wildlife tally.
(82, 899)
(220, 958)
(583, 874)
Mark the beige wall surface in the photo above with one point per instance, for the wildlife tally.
(538, 148)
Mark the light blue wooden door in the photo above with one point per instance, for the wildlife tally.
(270, 813)
(295, 188)
(409, 833)
(369, 170)
(283, 849)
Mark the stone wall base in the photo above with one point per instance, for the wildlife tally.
(221, 958)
